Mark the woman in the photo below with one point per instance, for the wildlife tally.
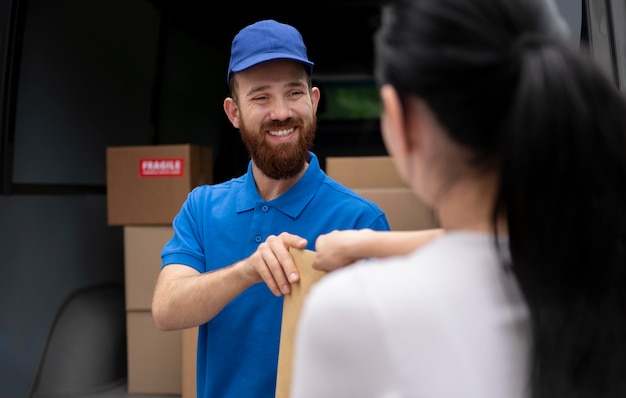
(518, 142)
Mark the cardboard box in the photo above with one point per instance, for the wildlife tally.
(292, 306)
(404, 210)
(190, 345)
(142, 263)
(375, 178)
(364, 172)
(147, 185)
(154, 365)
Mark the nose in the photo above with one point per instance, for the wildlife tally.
(280, 110)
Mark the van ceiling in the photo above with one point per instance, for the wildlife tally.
(338, 33)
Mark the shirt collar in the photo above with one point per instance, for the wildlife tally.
(291, 202)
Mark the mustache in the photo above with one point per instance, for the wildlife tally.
(281, 124)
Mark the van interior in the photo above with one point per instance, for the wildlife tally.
(80, 76)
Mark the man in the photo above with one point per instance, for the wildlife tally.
(230, 237)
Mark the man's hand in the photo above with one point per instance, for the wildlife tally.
(273, 264)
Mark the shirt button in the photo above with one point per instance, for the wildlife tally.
(258, 238)
(265, 208)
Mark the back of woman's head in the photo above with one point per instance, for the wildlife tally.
(460, 56)
(503, 79)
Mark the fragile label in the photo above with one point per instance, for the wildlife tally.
(161, 167)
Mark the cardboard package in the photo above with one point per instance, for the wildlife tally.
(189, 347)
(375, 178)
(291, 312)
(154, 365)
(147, 185)
(142, 263)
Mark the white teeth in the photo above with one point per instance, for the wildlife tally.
(281, 133)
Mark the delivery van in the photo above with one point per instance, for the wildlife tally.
(78, 77)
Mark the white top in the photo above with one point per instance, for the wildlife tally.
(446, 321)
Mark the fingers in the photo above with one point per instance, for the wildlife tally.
(274, 263)
(291, 240)
(278, 261)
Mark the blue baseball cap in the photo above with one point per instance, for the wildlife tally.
(264, 41)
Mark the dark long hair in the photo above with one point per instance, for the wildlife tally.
(504, 79)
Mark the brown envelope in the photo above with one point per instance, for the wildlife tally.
(291, 312)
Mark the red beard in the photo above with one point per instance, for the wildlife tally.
(279, 161)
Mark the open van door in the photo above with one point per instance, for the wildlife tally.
(605, 27)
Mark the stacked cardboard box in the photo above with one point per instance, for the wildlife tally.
(375, 178)
(146, 187)
(154, 365)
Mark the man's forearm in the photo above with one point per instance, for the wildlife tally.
(183, 300)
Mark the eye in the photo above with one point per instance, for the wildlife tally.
(296, 93)
(260, 98)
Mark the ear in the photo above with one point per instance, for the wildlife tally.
(232, 111)
(394, 122)
(315, 98)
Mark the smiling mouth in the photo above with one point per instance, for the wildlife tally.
(281, 133)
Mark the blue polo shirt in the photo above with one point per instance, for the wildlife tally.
(221, 224)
